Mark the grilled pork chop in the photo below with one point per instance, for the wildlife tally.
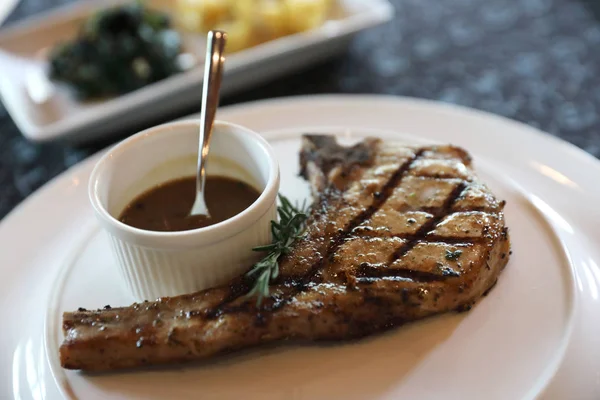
(396, 234)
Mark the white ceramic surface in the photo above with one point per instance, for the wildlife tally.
(6, 6)
(59, 116)
(536, 334)
(157, 264)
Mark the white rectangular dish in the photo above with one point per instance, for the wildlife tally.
(44, 112)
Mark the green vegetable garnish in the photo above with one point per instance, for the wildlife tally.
(118, 50)
(291, 225)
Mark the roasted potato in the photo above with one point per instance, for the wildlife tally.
(250, 22)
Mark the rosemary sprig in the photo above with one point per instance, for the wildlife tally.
(291, 225)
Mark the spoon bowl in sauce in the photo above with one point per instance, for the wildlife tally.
(142, 190)
(165, 207)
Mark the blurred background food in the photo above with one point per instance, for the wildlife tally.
(123, 48)
(117, 50)
(251, 22)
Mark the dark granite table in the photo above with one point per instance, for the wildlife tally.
(536, 61)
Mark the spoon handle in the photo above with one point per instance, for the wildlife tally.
(213, 73)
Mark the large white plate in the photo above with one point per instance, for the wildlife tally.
(25, 90)
(536, 335)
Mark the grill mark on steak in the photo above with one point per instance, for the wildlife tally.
(237, 288)
(430, 238)
(431, 223)
(303, 283)
(450, 240)
(368, 274)
(433, 210)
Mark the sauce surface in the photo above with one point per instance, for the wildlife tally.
(166, 207)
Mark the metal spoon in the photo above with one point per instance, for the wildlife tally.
(213, 72)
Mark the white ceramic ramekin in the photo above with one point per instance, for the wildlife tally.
(156, 264)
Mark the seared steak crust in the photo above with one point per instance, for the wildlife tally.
(396, 234)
